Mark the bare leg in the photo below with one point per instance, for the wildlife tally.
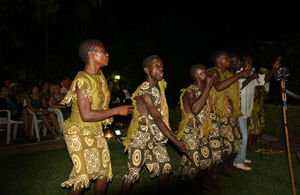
(126, 187)
(101, 186)
(75, 192)
(55, 123)
(46, 122)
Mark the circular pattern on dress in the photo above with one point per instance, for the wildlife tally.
(212, 116)
(224, 120)
(75, 143)
(89, 141)
(137, 157)
(167, 168)
(187, 130)
(143, 127)
(196, 159)
(192, 173)
(205, 151)
(204, 141)
(214, 144)
(145, 85)
(101, 142)
(105, 157)
(76, 162)
(149, 167)
(150, 145)
(183, 160)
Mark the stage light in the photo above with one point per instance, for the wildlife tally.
(117, 132)
(117, 77)
(108, 134)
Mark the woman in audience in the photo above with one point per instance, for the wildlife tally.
(45, 92)
(55, 99)
(37, 104)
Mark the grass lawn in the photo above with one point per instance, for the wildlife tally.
(43, 172)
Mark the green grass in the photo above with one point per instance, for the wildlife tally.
(274, 121)
(43, 172)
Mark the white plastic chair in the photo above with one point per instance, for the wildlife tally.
(35, 123)
(60, 117)
(8, 122)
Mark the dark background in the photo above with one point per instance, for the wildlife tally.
(39, 38)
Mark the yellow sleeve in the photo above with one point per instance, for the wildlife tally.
(82, 83)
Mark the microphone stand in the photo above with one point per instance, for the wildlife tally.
(281, 75)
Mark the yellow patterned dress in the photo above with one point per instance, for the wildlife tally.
(222, 103)
(201, 133)
(85, 141)
(145, 141)
(257, 119)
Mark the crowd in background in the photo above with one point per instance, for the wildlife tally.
(42, 95)
(37, 97)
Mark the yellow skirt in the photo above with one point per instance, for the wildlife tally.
(90, 157)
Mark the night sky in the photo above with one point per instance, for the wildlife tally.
(35, 45)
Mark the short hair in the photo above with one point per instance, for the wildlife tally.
(216, 54)
(148, 59)
(86, 46)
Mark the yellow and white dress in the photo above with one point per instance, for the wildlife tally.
(85, 141)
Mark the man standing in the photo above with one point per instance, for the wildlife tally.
(149, 129)
(226, 103)
(247, 87)
(196, 125)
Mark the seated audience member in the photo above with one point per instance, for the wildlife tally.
(55, 99)
(11, 103)
(36, 103)
(65, 85)
(114, 100)
(45, 92)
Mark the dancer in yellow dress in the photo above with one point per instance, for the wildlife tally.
(89, 97)
(149, 130)
(197, 127)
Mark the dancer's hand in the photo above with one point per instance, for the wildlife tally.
(210, 79)
(183, 147)
(124, 110)
(245, 73)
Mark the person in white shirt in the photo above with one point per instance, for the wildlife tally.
(247, 87)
